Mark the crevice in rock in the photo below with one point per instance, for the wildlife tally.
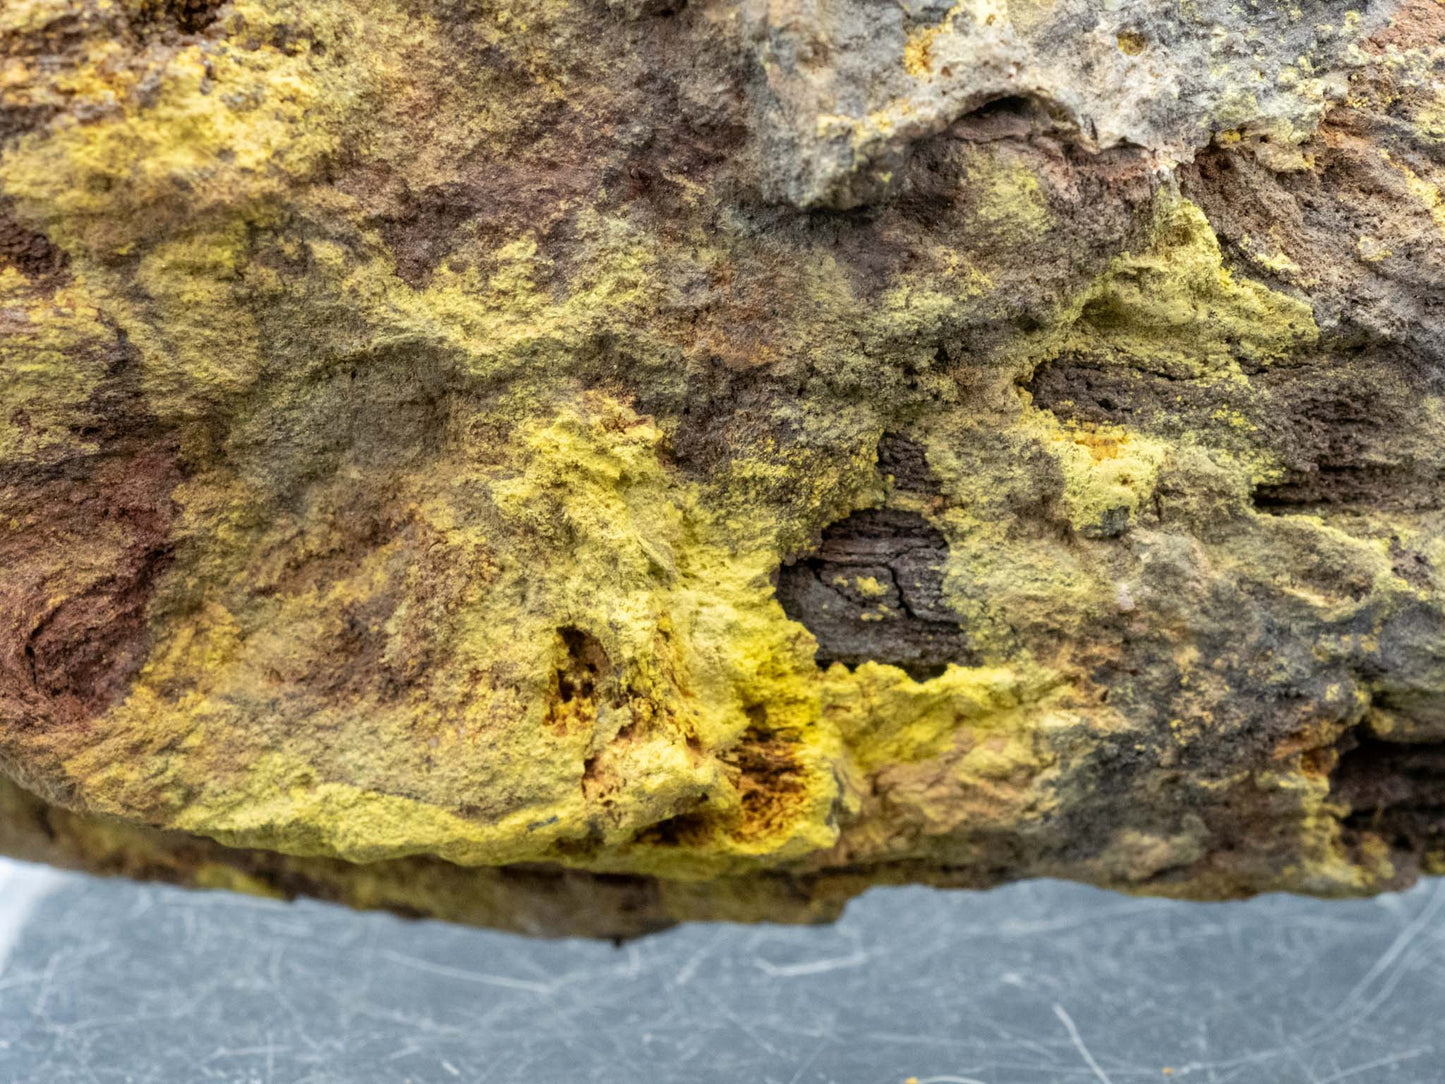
(770, 781)
(583, 676)
(768, 777)
(1344, 486)
(1011, 116)
(28, 251)
(155, 17)
(1393, 790)
(584, 665)
(679, 831)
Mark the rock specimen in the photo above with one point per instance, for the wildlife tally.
(578, 465)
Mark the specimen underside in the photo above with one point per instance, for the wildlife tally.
(580, 465)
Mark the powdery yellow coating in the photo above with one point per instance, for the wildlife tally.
(1422, 190)
(1172, 308)
(1008, 204)
(1177, 305)
(1176, 310)
(52, 358)
(219, 122)
(702, 646)
(225, 732)
(441, 581)
(885, 718)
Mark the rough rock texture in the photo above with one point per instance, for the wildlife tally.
(578, 465)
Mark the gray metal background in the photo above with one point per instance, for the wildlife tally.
(1041, 983)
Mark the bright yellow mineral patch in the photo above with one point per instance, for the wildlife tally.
(1006, 200)
(53, 350)
(482, 414)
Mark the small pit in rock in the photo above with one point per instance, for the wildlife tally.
(1394, 790)
(154, 17)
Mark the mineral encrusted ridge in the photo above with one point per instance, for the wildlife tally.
(580, 465)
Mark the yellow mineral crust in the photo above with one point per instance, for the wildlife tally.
(411, 421)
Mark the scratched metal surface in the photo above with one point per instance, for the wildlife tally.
(1041, 983)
